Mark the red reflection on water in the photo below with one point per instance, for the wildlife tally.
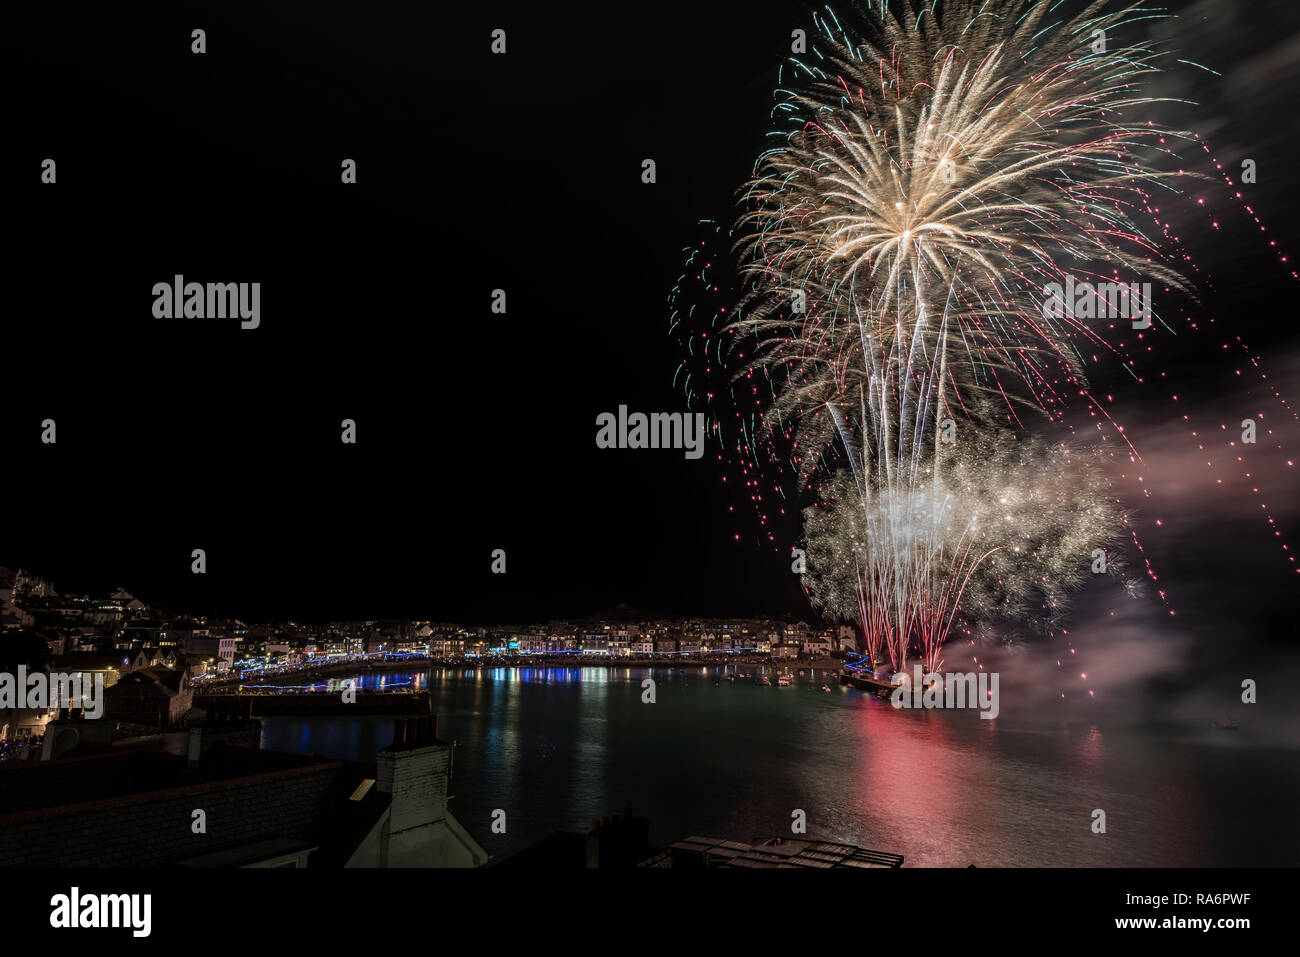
(917, 780)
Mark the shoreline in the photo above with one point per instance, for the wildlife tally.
(335, 669)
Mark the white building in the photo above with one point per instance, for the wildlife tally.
(817, 647)
(848, 638)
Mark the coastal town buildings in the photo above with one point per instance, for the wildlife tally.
(151, 658)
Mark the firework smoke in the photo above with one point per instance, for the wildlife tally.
(1008, 534)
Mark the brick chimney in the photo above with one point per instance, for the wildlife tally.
(416, 829)
(415, 769)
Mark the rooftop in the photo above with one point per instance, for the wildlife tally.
(777, 852)
(125, 775)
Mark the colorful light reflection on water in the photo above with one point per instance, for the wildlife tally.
(557, 746)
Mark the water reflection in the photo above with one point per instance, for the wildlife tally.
(719, 753)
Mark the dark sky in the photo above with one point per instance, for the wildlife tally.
(476, 431)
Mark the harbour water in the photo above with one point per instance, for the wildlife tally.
(555, 747)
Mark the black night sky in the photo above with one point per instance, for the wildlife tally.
(477, 431)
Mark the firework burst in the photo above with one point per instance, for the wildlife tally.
(940, 171)
(937, 170)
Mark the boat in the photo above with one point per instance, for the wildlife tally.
(826, 687)
(783, 681)
(767, 681)
(881, 685)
